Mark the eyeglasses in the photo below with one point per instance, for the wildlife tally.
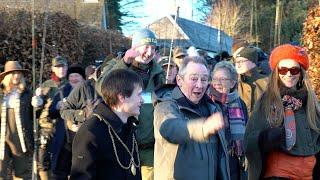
(293, 70)
(241, 61)
(223, 80)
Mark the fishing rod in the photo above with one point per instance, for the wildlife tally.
(171, 44)
(35, 123)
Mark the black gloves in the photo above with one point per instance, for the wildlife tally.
(272, 139)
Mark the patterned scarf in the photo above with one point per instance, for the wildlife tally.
(55, 78)
(4, 123)
(290, 105)
(235, 119)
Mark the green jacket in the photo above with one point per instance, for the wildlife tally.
(307, 140)
(251, 86)
(49, 89)
(145, 136)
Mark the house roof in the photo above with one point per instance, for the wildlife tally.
(202, 36)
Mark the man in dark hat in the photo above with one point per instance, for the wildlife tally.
(178, 54)
(43, 100)
(64, 131)
(251, 83)
(80, 102)
(171, 72)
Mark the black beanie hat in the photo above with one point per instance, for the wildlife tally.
(76, 68)
(251, 53)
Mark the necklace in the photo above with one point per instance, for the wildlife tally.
(132, 165)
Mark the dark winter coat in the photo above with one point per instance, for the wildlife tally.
(145, 135)
(93, 153)
(80, 103)
(26, 114)
(251, 86)
(49, 89)
(59, 137)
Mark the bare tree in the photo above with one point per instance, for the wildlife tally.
(228, 16)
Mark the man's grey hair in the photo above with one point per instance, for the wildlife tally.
(187, 60)
(228, 66)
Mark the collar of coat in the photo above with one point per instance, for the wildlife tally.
(184, 102)
(108, 115)
(251, 76)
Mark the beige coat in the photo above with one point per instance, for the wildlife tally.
(250, 87)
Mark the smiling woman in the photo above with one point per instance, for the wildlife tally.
(289, 72)
(283, 132)
(16, 137)
(223, 89)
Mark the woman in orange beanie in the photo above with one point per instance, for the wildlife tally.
(282, 139)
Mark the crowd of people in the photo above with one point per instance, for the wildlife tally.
(150, 117)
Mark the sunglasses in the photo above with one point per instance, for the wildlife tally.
(293, 70)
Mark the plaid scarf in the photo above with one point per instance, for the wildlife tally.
(235, 119)
(290, 105)
(3, 124)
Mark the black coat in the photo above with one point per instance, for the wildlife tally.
(93, 154)
(80, 102)
(26, 114)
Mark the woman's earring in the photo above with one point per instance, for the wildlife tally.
(300, 84)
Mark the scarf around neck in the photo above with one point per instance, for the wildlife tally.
(292, 101)
(235, 119)
(3, 123)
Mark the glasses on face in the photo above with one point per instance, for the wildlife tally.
(221, 80)
(240, 61)
(293, 70)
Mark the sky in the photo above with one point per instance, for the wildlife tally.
(156, 9)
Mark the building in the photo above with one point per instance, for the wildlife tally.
(188, 33)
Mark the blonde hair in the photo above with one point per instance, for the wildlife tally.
(271, 101)
(8, 86)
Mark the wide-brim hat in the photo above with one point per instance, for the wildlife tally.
(12, 66)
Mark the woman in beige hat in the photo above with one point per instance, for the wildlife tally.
(16, 135)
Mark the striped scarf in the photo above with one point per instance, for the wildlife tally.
(234, 117)
(3, 124)
(290, 105)
(237, 123)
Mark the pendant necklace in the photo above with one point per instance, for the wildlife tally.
(132, 164)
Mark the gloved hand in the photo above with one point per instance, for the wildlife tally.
(46, 132)
(272, 139)
(36, 101)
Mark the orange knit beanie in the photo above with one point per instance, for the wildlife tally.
(288, 51)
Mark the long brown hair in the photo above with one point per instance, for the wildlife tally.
(8, 86)
(272, 106)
